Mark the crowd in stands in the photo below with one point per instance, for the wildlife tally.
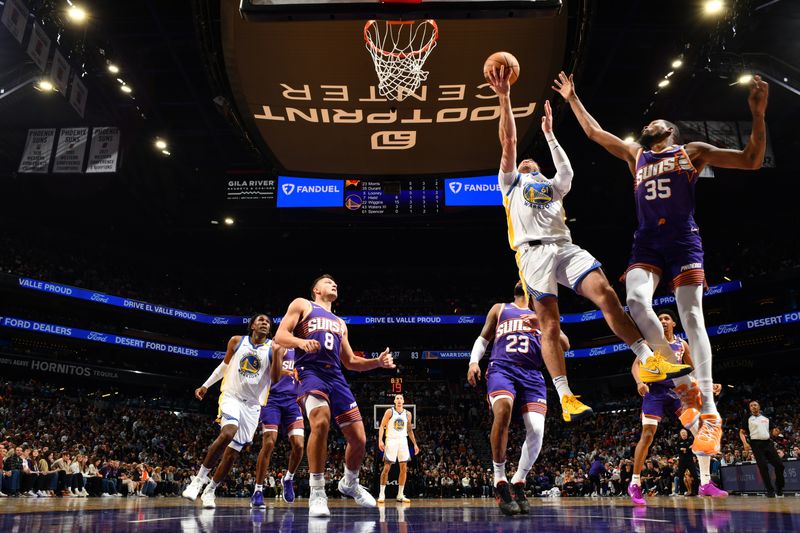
(107, 270)
(78, 443)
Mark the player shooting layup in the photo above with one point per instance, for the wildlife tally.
(547, 257)
(667, 241)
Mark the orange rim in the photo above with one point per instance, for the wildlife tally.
(383, 52)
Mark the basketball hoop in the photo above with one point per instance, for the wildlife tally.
(399, 50)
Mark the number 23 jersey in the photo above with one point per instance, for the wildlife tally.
(514, 342)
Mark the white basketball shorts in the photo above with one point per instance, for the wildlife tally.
(245, 415)
(544, 266)
(397, 450)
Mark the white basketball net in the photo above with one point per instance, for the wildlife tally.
(399, 50)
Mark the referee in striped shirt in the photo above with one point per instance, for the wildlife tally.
(763, 449)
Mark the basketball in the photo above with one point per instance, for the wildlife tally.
(499, 59)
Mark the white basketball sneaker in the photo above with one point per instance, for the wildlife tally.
(318, 503)
(358, 493)
(208, 498)
(193, 489)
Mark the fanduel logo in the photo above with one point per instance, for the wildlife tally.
(455, 186)
(288, 188)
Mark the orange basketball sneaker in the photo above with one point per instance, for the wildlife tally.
(691, 402)
(708, 438)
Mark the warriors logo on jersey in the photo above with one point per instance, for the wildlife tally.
(399, 424)
(538, 194)
(249, 365)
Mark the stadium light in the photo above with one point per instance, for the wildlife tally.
(125, 89)
(113, 69)
(77, 14)
(670, 73)
(161, 144)
(166, 152)
(744, 79)
(229, 221)
(663, 83)
(628, 138)
(677, 63)
(45, 86)
(713, 7)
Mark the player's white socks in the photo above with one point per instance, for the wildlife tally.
(316, 481)
(203, 472)
(383, 492)
(534, 434)
(350, 476)
(636, 480)
(704, 461)
(499, 472)
(690, 308)
(212, 486)
(562, 386)
(642, 350)
(400, 493)
(258, 488)
(289, 476)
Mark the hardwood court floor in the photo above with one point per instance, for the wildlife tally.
(119, 515)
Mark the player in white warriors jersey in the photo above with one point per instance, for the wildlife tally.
(252, 363)
(546, 256)
(396, 424)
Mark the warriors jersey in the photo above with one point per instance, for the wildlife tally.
(534, 209)
(398, 425)
(514, 342)
(327, 329)
(247, 376)
(663, 185)
(287, 386)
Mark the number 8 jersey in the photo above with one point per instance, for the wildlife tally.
(664, 188)
(326, 328)
(514, 342)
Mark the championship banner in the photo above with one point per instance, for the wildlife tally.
(104, 153)
(39, 46)
(15, 18)
(59, 72)
(77, 97)
(70, 150)
(38, 147)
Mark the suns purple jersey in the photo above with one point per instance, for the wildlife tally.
(287, 385)
(678, 349)
(514, 342)
(325, 328)
(664, 184)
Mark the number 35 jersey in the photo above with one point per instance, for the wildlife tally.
(516, 343)
(327, 329)
(664, 189)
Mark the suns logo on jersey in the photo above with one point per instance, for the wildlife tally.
(399, 424)
(538, 194)
(249, 365)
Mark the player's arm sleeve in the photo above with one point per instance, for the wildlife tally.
(563, 178)
(478, 350)
(216, 375)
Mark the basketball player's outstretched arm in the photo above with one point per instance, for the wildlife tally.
(562, 181)
(384, 422)
(285, 336)
(361, 364)
(752, 157)
(219, 372)
(565, 86)
(499, 81)
(481, 343)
